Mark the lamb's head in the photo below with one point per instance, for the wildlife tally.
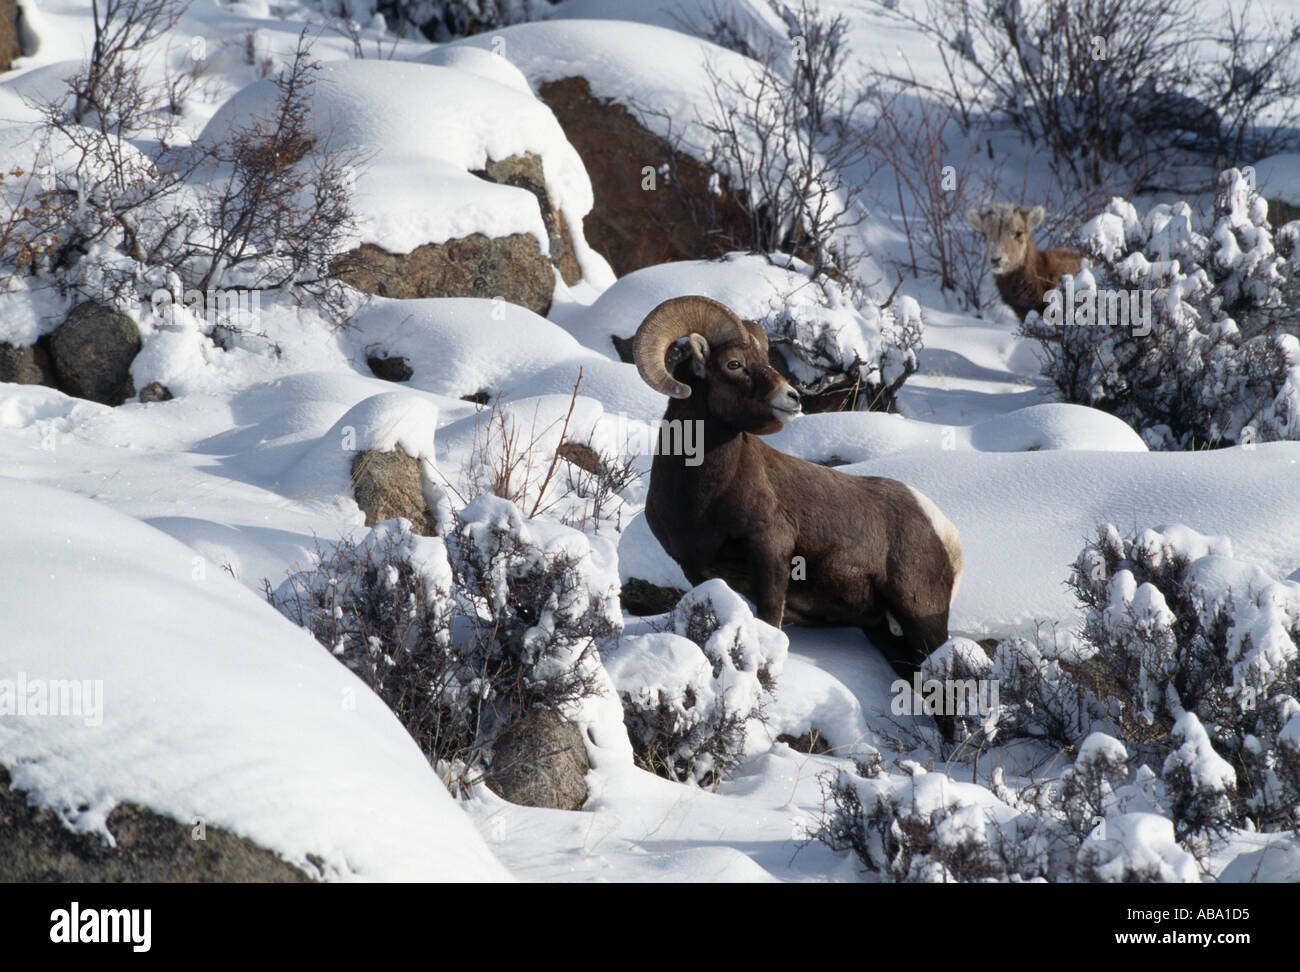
(1008, 234)
(725, 359)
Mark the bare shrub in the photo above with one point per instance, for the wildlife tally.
(1121, 89)
(784, 136)
(461, 635)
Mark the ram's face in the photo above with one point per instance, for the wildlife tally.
(744, 390)
(1008, 234)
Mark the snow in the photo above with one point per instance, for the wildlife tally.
(230, 713)
(422, 130)
(301, 759)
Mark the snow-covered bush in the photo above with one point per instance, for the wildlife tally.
(1207, 353)
(461, 635)
(441, 20)
(1187, 655)
(836, 342)
(98, 217)
(693, 697)
(1205, 646)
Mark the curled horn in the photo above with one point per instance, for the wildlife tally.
(674, 319)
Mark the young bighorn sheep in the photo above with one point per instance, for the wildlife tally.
(1023, 273)
(807, 544)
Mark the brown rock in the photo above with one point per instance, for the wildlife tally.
(641, 598)
(36, 847)
(526, 172)
(540, 761)
(27, 366)
(388, 485)
(511, 267)
(10, 42)
(680, 219)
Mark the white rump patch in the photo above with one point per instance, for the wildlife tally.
(947, 534)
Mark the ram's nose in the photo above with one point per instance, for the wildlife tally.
(786, 402)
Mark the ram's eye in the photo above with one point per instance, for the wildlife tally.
(1020, 236)
(734, 365)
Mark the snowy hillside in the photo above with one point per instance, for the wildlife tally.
(324, 470)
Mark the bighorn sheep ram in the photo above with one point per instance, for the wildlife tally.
(1023, 273)
(807, 544)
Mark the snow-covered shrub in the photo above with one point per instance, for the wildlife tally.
(100, 218)
(694, 696)
(1205, 646)
(1212, 357)
(1186, 654)
(462, 635)
(384, 606)
(928, 829)
(441, 20)
(835, 341)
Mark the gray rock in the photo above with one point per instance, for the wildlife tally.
(540, 761)
(390, 368)
(93, 349)
(155, 391)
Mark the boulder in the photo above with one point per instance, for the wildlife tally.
(27, 366)
(155, 391)
(388, 485)
(642, 599)
(690, 214)
(35, 846)
(392, 368)
(92, 350)
(540, 760)
(526, 172)
(512, 267)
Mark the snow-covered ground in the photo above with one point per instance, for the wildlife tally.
(134, 540)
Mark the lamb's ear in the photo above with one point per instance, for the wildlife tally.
(975, 219)
(1034, 216)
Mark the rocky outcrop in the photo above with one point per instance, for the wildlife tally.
(689, 214)
(512, 267)
(526, 172)
(540, 761)
(387, 485)
(36, 847)
(93, 350)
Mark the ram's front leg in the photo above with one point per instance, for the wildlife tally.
(771, 558)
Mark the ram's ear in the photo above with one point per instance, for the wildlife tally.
(1034, 216)
(975, 219)
(699, 349)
